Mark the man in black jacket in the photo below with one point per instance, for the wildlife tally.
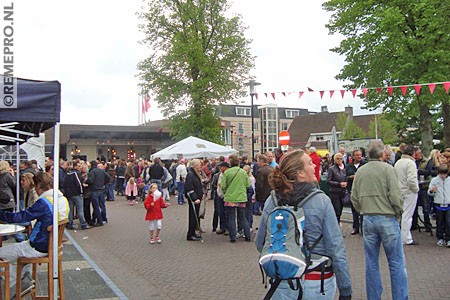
(73, 190)
(350, 171)
(97, 179)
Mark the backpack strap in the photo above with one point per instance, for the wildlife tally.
(273, 286)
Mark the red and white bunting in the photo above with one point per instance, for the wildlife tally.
(446, 86)
(363, 90)
(390, 90)
(403, 88)
(417, 87)
(432, 86)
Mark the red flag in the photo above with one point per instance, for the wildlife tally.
(390, 90)
(321, 94)
(300, 94)
(331, 93)
(354, 93)
(265, 94)
(342, 93)
(432, 86)
(365, 90)
(403, 88)
(417, 87)
(256, 95)
(310, 89)
(283, 93)
(273, 95)
(379, 90)
(446, 86)
(147, 102)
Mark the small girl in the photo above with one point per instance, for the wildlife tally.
(131, 191)
(154, 204)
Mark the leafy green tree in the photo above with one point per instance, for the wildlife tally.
(392, 43)
(349, 128)
(198, 58)
(385, 129)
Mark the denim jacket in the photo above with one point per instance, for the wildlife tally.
(320, 218)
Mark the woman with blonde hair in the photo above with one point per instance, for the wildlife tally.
(434, 161)
(27, 183)
(293, 180)
(7, 187)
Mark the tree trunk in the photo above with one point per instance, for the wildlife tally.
(446, 125)
(426, 131)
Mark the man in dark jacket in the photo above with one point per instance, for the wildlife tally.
(262, 186)
(73, 190)
(97, 179)
(193, 190)
(156, 173)
(350, 171)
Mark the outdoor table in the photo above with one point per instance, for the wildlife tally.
(9, 229)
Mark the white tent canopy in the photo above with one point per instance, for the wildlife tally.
(193, 147)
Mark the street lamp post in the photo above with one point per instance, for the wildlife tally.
(252, 84)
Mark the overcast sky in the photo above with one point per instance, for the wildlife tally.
(91, 48)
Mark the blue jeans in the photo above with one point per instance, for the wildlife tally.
(158, 182)
(379, 229)
(443, 224)
(109, 191)
(97, 197)
(241, 218)
(77, 201)
(180, 191)
(311, 290)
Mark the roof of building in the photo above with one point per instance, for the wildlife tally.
(305, 125)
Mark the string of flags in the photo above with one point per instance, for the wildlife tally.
(365, 90)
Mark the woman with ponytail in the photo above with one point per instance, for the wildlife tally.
(293, 180)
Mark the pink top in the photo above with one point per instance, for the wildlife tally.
(131, 188)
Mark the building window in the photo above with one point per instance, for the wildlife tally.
(290, 114)
(284, 126)
(243, 111)
(240, 128)
(319, 138)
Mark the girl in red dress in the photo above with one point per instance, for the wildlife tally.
(154, 204)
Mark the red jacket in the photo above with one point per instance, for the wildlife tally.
(316, 160)
(154, 212)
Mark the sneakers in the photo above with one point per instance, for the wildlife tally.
(440, 243)
(158, 240)
(239, 235)
(152, 241)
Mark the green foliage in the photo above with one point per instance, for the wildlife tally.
(385, 128)
(349, 128)
(341, 121)
(198, 58)
(389, 43)
(352, 131)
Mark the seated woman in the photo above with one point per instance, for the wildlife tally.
(42, 212)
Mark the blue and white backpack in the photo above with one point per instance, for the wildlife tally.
(287, 254)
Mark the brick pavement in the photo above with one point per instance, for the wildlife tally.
(217, 269)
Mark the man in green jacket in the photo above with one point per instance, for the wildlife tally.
(376, 196)
(234, 184)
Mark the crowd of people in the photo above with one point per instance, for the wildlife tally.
(384, 191)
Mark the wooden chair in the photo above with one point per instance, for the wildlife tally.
(22, 261)
(5, 273)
